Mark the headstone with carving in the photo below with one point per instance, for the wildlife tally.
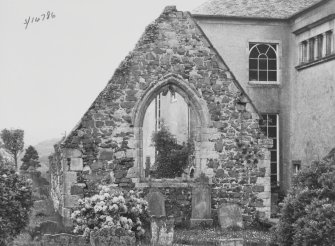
(230, 215)
(156, 203)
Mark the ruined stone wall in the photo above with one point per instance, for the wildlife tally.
(178, 201)
(56, 179)
(105, 147)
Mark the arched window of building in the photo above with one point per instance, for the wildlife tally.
(263, 62)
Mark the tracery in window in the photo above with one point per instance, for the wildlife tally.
(263, 62)
(167, 110)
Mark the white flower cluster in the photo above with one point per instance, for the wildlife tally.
(111, 208)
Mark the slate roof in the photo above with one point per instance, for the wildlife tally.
(277, 9)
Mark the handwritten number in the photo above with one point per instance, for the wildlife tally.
(26, 22)
(44, 16)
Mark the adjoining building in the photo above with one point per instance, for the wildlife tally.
(282, 54)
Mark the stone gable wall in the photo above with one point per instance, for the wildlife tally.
(105, 146)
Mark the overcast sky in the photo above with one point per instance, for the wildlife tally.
(51, 71)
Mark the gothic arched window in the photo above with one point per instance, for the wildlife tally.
(263, 62)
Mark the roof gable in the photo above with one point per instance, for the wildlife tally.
(274, 9)
(173, 45)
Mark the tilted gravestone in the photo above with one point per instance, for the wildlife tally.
(230, 215)
(156, 203)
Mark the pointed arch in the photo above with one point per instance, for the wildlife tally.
(191, 97)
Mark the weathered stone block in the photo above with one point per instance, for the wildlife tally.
(97, 165)
(75, 153)
(70, 178)
(106, 155)
(258, 188)
(76, 164)
(78, 189)
(71, 201)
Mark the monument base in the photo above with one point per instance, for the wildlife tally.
(202, 222)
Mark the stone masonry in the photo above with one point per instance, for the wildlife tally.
(106, 145)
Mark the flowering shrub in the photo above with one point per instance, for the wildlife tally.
(111, 208)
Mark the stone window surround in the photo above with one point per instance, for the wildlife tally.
(279, 58)
(191, 96)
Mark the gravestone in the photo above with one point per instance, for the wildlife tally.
(162, 231)
(156, 204)
(201, 204)
(230, 215)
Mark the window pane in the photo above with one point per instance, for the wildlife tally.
(272, 119)
(272, 64)
(274, 46)
(262, 75)
(273, 168)
(271, 53)
(253, 63)
(262, 122)
(273, 156)
(263, 64)
(262, 48)
(263, 130)
(251, 45)
(253, 76)
(254, 53)
(311, 49)
(329, 35)
(274, 145)
(273, 180)
(320, 42)
(272, 76)
(272, 132)
(304, 51)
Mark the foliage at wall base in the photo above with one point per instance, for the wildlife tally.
(308, 214)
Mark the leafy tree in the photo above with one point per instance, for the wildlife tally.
(13, 142)
(30, 159)
(172, 158)
(15, 203)
(308, 214)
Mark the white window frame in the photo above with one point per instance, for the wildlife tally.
(278, 43)
(277, 143)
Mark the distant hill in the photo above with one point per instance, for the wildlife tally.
(44, 149)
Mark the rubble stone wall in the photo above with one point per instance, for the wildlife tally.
(105, 147)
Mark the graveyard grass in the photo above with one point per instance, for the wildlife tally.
(210, 236)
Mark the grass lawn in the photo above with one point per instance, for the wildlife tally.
(211, 236)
